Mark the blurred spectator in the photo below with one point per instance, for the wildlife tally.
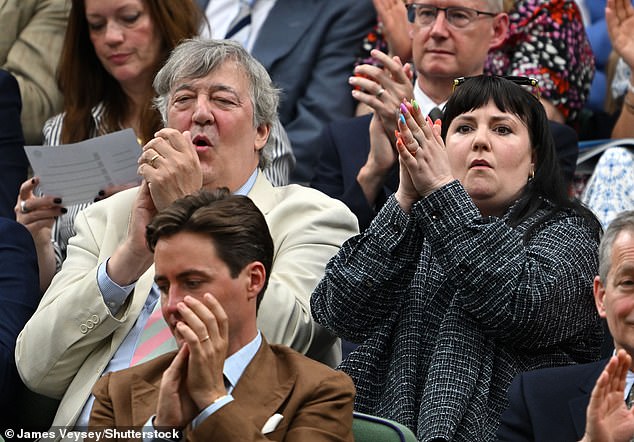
(610, 189)
(309, 49)
(547, 41)
(111, 52)
(30, 44)
(14, 165)
(19, 297)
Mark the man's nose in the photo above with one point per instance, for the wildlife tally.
(203, 113)
(440, 25)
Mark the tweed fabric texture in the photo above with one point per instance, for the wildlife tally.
(448, 306)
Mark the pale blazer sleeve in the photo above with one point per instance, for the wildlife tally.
(308, 228)
(30, 45)
(73, 332)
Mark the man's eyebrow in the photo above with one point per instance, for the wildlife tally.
(212, 87)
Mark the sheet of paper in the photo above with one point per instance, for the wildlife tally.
(77, 172)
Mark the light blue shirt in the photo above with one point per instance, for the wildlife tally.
(114, 296)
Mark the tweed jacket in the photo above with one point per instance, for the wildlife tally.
(30, 45)
(314, 400)
(448, 306)
(70, 339)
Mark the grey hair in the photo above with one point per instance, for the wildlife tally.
(197, 57)
(624, 221)
(496, 6)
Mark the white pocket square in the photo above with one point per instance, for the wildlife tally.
(272, 423)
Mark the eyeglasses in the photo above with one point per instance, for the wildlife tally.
(456, 16)
(521, 81)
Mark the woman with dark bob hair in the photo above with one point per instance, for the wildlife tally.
(477, 268)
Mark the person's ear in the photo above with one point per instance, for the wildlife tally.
(599, 296)
(263, 132)
(255, 278)
(500, 30)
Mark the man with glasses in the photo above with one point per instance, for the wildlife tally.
(450, 39)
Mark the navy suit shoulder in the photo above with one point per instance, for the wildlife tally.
(345, 146)
(309, 48)
(14, 165)
(567, 148)
(19, 297)
(549, 404)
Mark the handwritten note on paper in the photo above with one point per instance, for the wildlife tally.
(77, 172)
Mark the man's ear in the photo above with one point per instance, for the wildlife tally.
(255, 277)
(262, 134)
(500, 30)
(599, 296)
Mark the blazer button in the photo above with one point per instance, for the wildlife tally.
(83, 328)
(95, 319)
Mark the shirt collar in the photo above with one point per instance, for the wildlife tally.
(238, 362)
(425, 103)
(246, 187)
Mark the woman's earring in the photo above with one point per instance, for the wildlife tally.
(531, 175)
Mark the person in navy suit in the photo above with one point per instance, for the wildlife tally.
(19, 297)
(555, 404)
(14, 165)
(309, 48)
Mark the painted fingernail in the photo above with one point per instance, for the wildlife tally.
(403, 108)
(63, 210)
(96, 199)
(431, 123)
(401, 118)
(57, 200)
(414, 104)
(101, 193)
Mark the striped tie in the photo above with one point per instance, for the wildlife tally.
(435, 114)
(155, 340)
(241, 25)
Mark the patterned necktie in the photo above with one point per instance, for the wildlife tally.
(435, 114)
(629, 400)
(155, 340)
(241, 25)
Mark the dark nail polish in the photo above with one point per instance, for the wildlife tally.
(64, 210)
(102, 193)
(96, 199)
(57, 201)
(32, 180)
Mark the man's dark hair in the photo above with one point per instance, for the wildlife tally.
(235, 225)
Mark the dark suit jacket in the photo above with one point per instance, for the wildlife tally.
(14, 165)
(309, 48)
(549, 404)
(19, 297)
(345, 147)
(314, 400)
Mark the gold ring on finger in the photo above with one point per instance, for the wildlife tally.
(153, 159)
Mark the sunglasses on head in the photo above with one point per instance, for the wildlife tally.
(521, 81)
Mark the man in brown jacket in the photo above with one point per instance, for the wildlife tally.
(213, 254)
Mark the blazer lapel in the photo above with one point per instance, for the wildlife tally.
(143, 398)
(284, 26)
(579, 403)
(262, 388)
